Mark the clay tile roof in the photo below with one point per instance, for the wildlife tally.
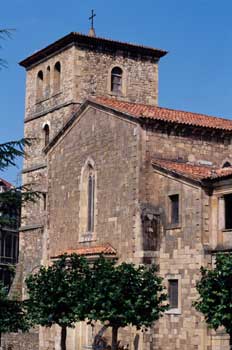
(6, 184)
(165, 114)
(106, 249)
(193, 171)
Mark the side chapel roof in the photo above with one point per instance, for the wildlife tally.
(194, 171)
(105, 249)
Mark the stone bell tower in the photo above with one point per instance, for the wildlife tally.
(59, 78)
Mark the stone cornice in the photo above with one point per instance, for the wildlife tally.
(30, 227)
(49, 110)
(34, 168)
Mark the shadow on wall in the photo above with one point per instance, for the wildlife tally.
(150, 217)
(101, 343)
(136, 342)
(8, 347)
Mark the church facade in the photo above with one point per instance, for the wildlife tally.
(122, 177)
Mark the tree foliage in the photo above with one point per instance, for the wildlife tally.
(12, 199)
(9, 151)
(4, 33)
(72, 290)
(12, 314)
(11, 202)
(215, 290)
(125, 294)
(58, 294)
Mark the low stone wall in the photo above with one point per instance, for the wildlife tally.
(20, 341)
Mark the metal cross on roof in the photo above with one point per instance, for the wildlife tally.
(91, 18)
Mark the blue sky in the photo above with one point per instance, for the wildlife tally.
(196, 75)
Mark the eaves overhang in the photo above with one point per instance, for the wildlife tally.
(80, 39)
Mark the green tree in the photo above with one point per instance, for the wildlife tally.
(4, 33)
(58, 294)
(16, 196)
(215, 289)
(124, 295)
(12, 314)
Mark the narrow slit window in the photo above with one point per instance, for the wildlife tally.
(44, 201)
(46, 135)
(91, 185)
(173, 293)
(174, 204)
(228, 211)
(116, 80)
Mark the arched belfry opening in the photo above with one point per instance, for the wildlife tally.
(116, 80)
(48, 81)
(57, 77)
(39, 85)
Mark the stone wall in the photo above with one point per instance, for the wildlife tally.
(34, 130)
(112, 145)
(181, 250)
(180, 257)
(189, 145)
(86, 72)
(20, 341)
(52, 98)
(93, 70)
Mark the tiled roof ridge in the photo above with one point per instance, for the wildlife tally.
(104, 99)
(193, 170)
(91, 250)
(187, 162)
(121, 42)
(6, 183)
(123, 107)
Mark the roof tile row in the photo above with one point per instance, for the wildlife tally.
(106, 249)
(165, 114)
(193, 171)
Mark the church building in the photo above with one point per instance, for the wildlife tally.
(123, 177)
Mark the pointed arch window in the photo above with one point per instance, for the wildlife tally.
(116, 80)
(57, 77)
(87, 204)
(39, 85)
(46, 134)
(90, 214)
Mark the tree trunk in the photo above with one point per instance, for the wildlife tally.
(0, 341)
(114, 338)
(230, 341)
(63, 338)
